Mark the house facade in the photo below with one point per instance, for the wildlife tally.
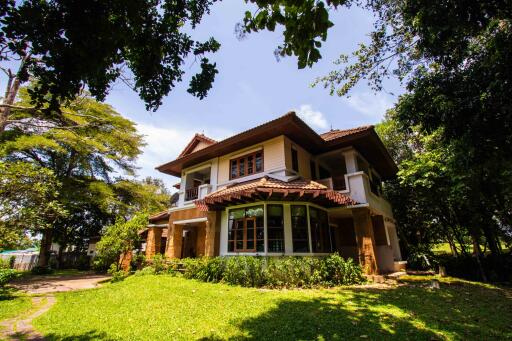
(281, 189)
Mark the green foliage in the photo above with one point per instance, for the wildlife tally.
(117, 239)
(275, 272)
(117, 274)
(150, 40)
(335, 270)
(148, 270)
(6, 275)
(84, 148)
(42, 270)
(305, 25)
(28, 197)
(158, 263)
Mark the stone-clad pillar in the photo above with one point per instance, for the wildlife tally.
(365, 240)
(174, 241)
(154, 242)
(210, 226)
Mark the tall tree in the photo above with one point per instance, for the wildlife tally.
(70, 45)
(87, 148)
(29, 202)
(454, 57)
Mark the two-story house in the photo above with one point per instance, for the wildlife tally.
(281, 189)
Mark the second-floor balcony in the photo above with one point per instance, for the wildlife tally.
(191, 193)
(198, 192)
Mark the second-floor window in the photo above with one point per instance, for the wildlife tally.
(246, 165)
(295, 160)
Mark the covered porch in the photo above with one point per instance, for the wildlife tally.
(183, 233)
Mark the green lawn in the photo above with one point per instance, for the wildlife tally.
(13, 303)
(165, 307)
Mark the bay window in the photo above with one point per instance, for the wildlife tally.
(321, 236)
(245, 230)
(310, 229)
(300, 234)
(275, 228)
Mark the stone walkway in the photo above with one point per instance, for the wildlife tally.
(20, 327)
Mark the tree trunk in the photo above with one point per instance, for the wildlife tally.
(478, 257)
(60, 255)
(11, 92)
(44, 251)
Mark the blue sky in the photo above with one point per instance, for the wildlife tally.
(253, 87)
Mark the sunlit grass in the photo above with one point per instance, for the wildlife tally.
(13, 303)
(164, 307)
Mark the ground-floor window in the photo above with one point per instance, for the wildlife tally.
(246, 230)
(275, 228)
(321, 235)
(310, 229)
(300, 235)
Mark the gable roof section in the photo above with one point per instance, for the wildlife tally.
(364, 139)
(196, 140)
(267, 188)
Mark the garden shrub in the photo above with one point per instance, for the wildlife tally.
(335, 270)
(42, 270)
(498, 269)
(275, 272)
(421, 258)
(158, 264)
(117, 275)
(148, 270)
(12, 260)
(7, 275)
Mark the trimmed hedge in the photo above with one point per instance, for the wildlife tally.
(274, 272)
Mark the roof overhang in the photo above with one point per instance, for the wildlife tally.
(290, 125)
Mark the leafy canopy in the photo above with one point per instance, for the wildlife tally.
(94, 43)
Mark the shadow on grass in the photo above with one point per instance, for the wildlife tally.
(7, 294)
(404, 312)
(87, 336)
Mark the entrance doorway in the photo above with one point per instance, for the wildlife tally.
(189, 242)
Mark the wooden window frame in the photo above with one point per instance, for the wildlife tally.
(246, 164)
(245, 235)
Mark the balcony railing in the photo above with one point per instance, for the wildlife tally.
(191, 193)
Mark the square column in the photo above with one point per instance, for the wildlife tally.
(365, 240)
(175, 240)
(154, 242)
(210, 229)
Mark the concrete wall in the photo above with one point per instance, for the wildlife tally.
(303, 156)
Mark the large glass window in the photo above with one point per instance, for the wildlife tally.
(246, 165)
(321, 236)
(300, 234)
(246, 230)
(275, 228)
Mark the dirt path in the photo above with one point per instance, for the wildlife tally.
(20, 327)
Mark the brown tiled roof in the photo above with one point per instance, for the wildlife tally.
(159, 216)
(337, 133)
(364, 139)
(272, 189)
(196, 139)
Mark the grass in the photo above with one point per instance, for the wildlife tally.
(444, 248)
(13, 303)
(164, 307)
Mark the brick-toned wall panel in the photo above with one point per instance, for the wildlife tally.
(365, 240)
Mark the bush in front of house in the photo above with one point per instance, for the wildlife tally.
(275, 272)
(6, 275)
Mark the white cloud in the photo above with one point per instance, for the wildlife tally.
(314, 118)
(164, 145)
(370, 104)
